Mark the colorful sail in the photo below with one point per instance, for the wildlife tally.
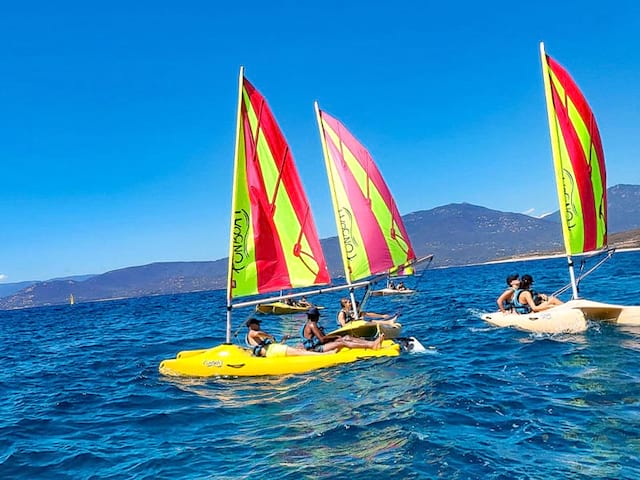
(372, 236)
(274, 243)
(578, 160)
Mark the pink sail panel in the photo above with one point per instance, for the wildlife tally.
(584, 148)
(385, 241)
(283, 245)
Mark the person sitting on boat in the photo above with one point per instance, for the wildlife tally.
(345, 315)
(303, 302)
(265, 345)
(401, 286)
(505, 301)
(523, 301)
(313, 337)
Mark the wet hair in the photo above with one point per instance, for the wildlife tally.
(512, 277)
(525, 282)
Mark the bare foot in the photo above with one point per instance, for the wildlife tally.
(378, 341)
(391, 321)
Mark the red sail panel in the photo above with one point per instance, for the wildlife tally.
(376, 239)
(585, 166)
(281, 248)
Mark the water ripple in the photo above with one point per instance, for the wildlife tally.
(82, 397)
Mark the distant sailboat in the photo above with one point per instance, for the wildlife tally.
(72, 300)
(395, 284)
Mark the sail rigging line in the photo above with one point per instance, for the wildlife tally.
(608, 252)
(318, 291)
(429, 258)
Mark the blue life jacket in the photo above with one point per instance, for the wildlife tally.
(310, 343)
(508, 305)
(256, 348)
(520, 307)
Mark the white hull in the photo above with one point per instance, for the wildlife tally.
(555, 320)
(392, 291)
(620, 314)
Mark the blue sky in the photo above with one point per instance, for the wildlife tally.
(117, 119)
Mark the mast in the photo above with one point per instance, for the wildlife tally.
(233, 196)
(557, 161)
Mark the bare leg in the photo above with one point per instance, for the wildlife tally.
(352, 342)
(390, 321)
(554, 301)
(299, 352)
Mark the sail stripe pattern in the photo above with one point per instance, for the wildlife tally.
(580, 168)
(275, 245)
(371, 230)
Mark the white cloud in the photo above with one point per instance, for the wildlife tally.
(3, 277)
(529, 212)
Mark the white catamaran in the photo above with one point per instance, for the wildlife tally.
(580, 172)
(273, 246)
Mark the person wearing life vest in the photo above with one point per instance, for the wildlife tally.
(265, 345)
(345, 315)
(523, 301)
(313, 337)
(505, 301)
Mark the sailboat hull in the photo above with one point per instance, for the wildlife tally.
(392, 291)
(234, 361)
(555, 320)
(620, 314)
(281, 308)
(364, 329)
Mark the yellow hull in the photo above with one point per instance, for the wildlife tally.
(364, 329)
(281, 308)
(234, 361)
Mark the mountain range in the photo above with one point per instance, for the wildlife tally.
(456, 234)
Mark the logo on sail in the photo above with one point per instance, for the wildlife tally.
(346, 229)
(569, 204)
(240, 233)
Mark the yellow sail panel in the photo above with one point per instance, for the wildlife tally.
(274, 242)
(578, 161)
(373, 239)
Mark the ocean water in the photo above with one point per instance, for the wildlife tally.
(81, 397)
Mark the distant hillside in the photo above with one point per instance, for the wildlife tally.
(153, 279)
(7, 289)
(457, 234)
(623, 207)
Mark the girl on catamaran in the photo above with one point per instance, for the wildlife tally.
(345, 315)
(523, 301)
(505, 301)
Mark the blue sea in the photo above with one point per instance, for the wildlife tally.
(81, 397)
